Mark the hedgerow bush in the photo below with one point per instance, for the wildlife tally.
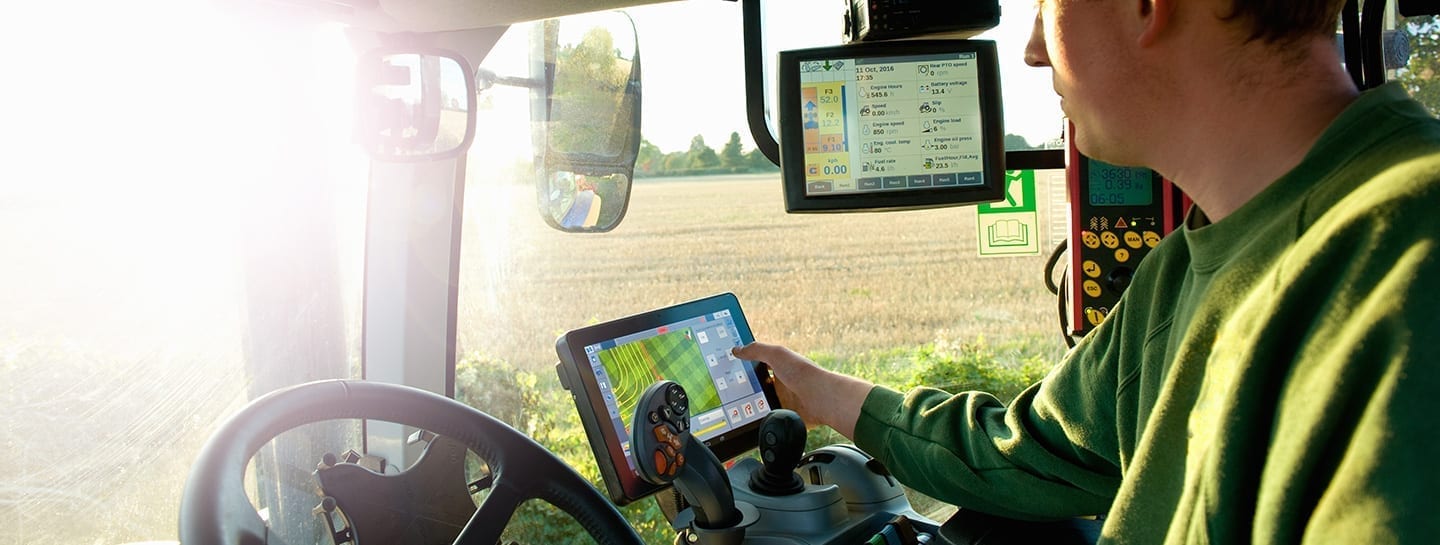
(536, 405)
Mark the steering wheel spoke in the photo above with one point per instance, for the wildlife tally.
(494, 514)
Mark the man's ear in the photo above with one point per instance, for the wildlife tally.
(1155, 20)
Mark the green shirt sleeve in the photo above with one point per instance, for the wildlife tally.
(1033, 460)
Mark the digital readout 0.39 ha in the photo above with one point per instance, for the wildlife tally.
(1110, 185)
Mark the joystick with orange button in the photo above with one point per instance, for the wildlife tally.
(666, 453)
(661, 432)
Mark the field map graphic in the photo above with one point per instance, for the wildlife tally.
(634, 366)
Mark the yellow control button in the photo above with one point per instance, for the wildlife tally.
(1122, 255)
(1092, 288)
(1089, 239)
(1109, 239)
(1090, 268)
(1094, 315)
(1151, 238)
(1133, 240)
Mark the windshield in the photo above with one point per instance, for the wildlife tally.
(182, 229)
(840, 285)
(900, 298)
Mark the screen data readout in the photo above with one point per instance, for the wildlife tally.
(896, 123)
(1112, 185)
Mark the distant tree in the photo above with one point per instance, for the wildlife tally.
(700, 158)
(758, 162)
(701, 155)
(676, 161)
(589, 81)
(730, 155)
(650, 160)
(1017, 142)
(1421, 76)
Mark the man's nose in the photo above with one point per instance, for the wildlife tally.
(1035, 54)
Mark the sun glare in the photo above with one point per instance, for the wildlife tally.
(146, 136)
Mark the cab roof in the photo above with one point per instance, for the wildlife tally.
(444, 15)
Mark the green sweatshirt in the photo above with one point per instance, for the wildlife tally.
(1273, 377)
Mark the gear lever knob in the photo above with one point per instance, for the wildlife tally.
(782, 442)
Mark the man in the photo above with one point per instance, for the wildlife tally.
(1270, 376)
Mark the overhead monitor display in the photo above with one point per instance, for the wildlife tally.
(916, 123)
(891, 125)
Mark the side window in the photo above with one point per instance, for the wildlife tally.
(1421, 73)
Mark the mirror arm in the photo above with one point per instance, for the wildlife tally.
(755, 82)
(485, 79)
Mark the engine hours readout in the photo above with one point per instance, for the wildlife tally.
(891, 124)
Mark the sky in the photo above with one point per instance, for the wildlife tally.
(691, 53)
(693, 73)
(693, 66)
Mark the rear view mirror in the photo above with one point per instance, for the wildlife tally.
(414, 106)
(588, 110)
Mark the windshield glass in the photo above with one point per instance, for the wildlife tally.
(840, 285)
(900, 298)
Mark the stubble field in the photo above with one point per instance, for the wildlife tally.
(835, 284)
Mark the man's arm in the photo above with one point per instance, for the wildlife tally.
(1036, 459)
(819, 396)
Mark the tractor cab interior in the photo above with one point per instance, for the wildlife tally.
(437, 271)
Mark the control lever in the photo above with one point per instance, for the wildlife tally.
(666, 452)
(782, 442)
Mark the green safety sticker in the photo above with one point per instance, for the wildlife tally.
(1012, 226)
(1019, 194)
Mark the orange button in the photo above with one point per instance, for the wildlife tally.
(1151, 238)
(1092, 288)
(1109, 239)
(661, 464)
(1089, 240)
(1122, 255)
(1133, 239)
(662, 433)
(1090, 268)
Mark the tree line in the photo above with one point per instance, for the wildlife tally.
(1421, 75)
(701, 159)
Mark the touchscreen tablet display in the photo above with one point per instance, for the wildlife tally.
(609, 365)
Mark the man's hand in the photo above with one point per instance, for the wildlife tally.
(818, 395)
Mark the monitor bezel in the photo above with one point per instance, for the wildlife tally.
(574, 369)
(792, 152)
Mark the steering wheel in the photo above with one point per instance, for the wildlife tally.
(214, 508)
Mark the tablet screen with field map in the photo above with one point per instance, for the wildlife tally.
(690, 344)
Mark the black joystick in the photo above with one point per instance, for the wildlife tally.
(665, 452)
(782, 442)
